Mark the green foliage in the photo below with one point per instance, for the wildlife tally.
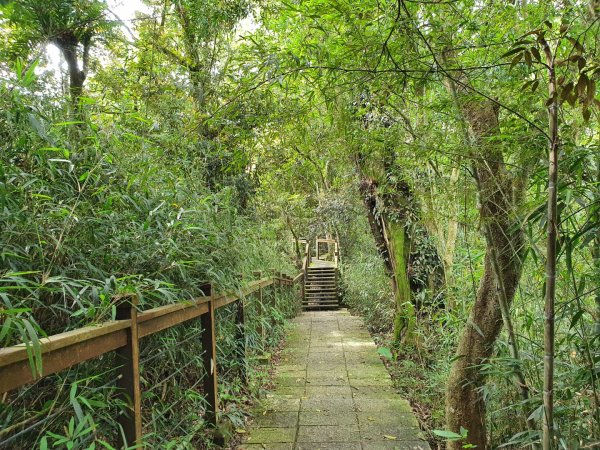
(386, 353)
(53, 21)
(452, 436)
(205, 150)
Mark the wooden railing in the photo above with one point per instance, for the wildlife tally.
(61, 351)
(336, 254)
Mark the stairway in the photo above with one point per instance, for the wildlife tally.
(320, 288)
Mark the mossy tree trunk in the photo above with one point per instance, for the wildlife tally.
(405, 312)
(390, 238)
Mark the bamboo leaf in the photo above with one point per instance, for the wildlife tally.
(591, 91)
(451, 435)
(516, 60)
(582, 84)
(576, 318)
(587, 113)
(513, 51)
(566, 91)
(576, 44)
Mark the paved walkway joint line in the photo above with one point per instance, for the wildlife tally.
(333, 392)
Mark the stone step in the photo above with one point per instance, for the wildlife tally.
(324, 280)
(310, 278)
(331, 306)
(320, 289)
(328, 302)
(321, 285)
(321, 293)
(321, 301)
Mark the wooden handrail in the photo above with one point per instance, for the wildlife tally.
(306, 260)
(63, 350)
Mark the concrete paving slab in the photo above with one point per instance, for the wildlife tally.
(407, 420)
(390, 444)
(290, 379)
(272, 419)
(328, 433)
(390, 405)
(328, 418)
(327, 379)
(329, 446)
(290, 367)
(292, 391)
(284, 403)
(269, 446)
(327, 404)
(271, 435)
(373, 381)
(332, 372)
(329, 391)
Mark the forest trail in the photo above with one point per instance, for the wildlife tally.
(333, 392)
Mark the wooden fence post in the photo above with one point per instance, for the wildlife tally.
(276, 292)
(275, 275)
(261, 307)
(128, 383)
(302, 286)
(282, 284)
(240, 322)
(209, 356)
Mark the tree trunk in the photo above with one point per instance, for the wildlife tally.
(452, 232)
(404, 321)
(552, 235)
(369, 197)
(596, 249)
(594, 6)
(465, 405)
(390, 239)
(68, 47)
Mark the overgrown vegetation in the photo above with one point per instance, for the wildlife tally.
(195, 141)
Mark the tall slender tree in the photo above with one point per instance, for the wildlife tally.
(71, 25)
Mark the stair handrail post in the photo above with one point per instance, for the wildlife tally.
(336, 254)
(275, 291)
(305, 264)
